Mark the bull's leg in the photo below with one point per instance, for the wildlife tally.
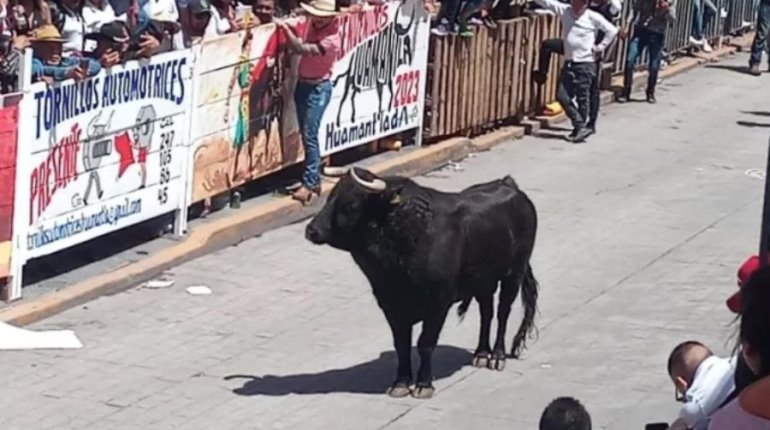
(509, 289)
(402, 340)
(483, 350)
(426, 344)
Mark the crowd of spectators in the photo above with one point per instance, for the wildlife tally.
(77, 38)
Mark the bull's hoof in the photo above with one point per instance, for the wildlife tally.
(423, 392)
(481, 360)
(399, 390)
(497, 362)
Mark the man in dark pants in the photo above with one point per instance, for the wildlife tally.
(650, 20)
(760, 39)
(580, 30)
(610, 10)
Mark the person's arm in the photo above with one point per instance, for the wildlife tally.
(93, 68)
(609, 30)
(553, 5)
(296, 44)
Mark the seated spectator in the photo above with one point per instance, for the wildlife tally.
(71, 25)
(703, 380)
(750, 410)
(48, 63)
(265, 10)
(703, 11)
(162, 16)
(223, 19)
(9, 65)
(199, 12)
(111, 43)
(565, 413)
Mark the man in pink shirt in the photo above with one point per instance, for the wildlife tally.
(319, 47)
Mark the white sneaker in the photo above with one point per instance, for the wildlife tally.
(706, 47)
(696, 42)
(440, 30)
(723, 13)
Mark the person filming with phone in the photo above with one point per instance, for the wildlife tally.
(49, 65)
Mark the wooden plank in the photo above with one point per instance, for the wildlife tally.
(451, 90)
(434, 88)
(508, 71)
(499, 63)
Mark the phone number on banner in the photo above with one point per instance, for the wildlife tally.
(108, 215)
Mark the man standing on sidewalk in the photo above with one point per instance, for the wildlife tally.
(760, 39)
(580, 28)
(610, 10)
(650, 21)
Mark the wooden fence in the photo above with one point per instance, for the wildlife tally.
(485, 81)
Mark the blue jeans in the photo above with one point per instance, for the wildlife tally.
(311, 101)
(643, 38)
(763, 25)
(703, 11)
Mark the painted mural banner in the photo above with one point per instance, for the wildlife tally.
(103, 153)
(379, 77)
(9, 118)
(244, 122)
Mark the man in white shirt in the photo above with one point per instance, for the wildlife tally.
(580, 26)
(705, 381)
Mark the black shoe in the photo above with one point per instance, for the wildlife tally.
(651, 98)
(591, 128)
(539, 77)
(580, 135)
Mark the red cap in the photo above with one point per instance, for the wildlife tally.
(744, 273)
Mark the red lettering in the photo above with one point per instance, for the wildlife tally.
(55, 173)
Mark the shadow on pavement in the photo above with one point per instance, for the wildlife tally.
(756, 112)
(372, 377)
(731, 67)
(753, 124)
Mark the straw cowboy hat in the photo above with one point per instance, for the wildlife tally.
(320, 8)
(47, 33)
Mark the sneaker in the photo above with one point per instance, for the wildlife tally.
(475, 22)
(440, 30)
(707, 47)
(623, 98)
(651, 98)
(696, 42)
(754, 70)
(591, 128)
(465, 31)
(580, 135)
(490, 23)
(723, 13)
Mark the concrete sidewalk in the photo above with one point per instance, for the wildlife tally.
(641, 232)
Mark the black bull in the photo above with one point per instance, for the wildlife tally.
(423, 250)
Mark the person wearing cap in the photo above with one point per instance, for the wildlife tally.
(318, 47)
(750, 409)
(743, 375)
(198, 17)
(48, 63)
(159, 20)
(111, 43)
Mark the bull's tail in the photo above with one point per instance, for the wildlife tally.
(463, 308)
(529, 293)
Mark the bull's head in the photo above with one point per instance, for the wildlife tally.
(358, 198)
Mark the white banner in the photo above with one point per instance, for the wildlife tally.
(105, 153)
(379, 77)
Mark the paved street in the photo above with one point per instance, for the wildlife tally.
(641, 232)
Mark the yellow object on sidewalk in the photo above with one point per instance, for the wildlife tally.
(552, 109)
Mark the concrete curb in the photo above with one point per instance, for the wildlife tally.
(240, 226)
(685, 64)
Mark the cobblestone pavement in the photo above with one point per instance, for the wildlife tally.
(641, 232)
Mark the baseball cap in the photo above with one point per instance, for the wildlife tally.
(744, 273)
(199, 6)
(115, 31)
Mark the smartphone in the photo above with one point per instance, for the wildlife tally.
(656, 426)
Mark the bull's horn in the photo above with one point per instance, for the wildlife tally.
(335, 172)
(377, 185)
